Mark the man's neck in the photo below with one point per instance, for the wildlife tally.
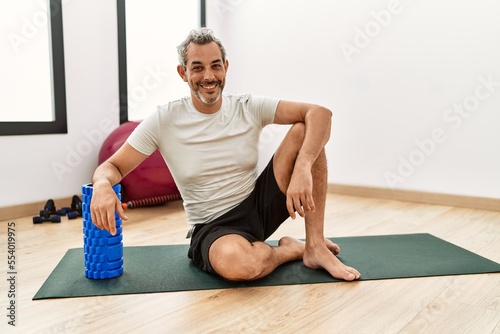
(205, 108)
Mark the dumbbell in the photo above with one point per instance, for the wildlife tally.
(51, 218)
(48, 214)
(48, 210)
(76, 208)
(64, 211)
(72, 214)
(74, 211)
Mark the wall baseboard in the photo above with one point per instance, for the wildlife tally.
(481, 203)
(31, 209)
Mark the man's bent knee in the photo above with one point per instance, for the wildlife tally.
(231, 257)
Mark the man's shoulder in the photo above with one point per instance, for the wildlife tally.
(246, 98)
(237, 97)
(173, 108)
(184, 102)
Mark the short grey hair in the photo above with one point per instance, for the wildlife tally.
(199, 36)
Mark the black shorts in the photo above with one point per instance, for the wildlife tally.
(256, 218)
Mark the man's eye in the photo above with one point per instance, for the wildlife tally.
(197, 68)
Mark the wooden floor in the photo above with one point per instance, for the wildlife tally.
(453, 304)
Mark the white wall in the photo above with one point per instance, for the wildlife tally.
(395, 74)
(36, 168)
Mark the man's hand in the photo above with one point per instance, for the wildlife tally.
(103, 205)
(299, 195)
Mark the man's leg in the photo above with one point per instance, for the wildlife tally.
(235, 258)
(319, 252)
(316, 255)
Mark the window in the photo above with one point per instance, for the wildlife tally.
(32, 84)
(148, 34)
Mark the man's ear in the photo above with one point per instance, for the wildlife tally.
(226, 64)
(182, 72)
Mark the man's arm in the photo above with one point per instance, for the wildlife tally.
(104, 201)
(317, 122)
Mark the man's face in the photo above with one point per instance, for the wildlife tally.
(205, 74)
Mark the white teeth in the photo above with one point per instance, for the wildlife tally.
(208, 87)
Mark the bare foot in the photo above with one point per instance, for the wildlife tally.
(298, 247)
(323, 257)
(295, 246)
(333, 247)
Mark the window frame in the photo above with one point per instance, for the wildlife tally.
(59, 124)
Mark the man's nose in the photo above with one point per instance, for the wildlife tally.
(208, 75)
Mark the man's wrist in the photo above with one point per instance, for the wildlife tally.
(101, 183)
(303, 163)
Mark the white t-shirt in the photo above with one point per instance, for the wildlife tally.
(212, 157)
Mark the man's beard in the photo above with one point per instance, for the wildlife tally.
(210, 100)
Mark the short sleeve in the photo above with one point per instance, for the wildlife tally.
(145, 137)
(263, 108)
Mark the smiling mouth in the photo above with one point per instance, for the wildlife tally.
(208, 85)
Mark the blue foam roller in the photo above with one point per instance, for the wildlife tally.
(86, 199)
(87, 189)
(103, 252)
(106, 265)
(85, 207)
(113, 265)
(103, 274)
(114, 252)
(118, 238)
(94, 258)
(97, 233)
(86, 215)
(97, 241)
